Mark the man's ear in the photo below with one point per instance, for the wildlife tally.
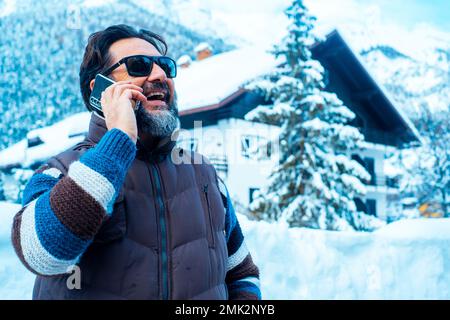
(91, 84)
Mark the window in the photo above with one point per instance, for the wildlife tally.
(246, 145)
(34, 141)
(368, 164)
(358, 159)
(371, 205)
(368, 207)
(256, 147)
(370, 167)
(267, 151)
(360, 205)
(253, 194)
(357, 122)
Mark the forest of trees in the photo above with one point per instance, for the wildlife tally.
(41, 47)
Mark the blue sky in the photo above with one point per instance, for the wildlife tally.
(411, 12)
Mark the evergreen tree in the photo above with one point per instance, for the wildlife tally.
(316, 182)
(428, 175)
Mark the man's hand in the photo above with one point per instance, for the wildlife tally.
(118, 101)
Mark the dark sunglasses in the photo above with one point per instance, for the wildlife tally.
(141, 66)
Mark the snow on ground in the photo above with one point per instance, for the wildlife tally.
(408, 259)
(16, 282)
(424, 229)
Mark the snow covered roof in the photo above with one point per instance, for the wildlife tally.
(337, 53)
(202, 46)
(184, 59)
(54, 139)
(209, 81)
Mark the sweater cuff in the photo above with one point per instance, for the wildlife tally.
(117, 146)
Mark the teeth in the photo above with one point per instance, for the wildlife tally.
(156, 95)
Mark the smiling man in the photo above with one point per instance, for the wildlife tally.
(136, 224)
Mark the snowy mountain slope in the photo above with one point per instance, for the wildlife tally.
(411, 61)
(369, 24)
(412, 82)
(197, 15)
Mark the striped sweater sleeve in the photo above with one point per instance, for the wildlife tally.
(242, 277)
(62, 214)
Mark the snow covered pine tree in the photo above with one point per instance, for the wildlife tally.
(316, 182)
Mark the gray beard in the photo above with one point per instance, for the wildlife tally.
(158, 124)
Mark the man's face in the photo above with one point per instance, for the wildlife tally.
(154, 117)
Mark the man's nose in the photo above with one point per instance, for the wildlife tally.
(157, 74)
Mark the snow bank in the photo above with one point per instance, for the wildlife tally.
(418, 229)
(16, 282)
(408, 259)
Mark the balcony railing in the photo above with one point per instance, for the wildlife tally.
(381, 180)
(219, 162)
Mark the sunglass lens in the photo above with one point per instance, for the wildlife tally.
(139, 66)
(168, 65)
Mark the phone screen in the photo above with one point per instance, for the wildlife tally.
(100, 84)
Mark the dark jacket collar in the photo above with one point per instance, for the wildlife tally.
(152, 149)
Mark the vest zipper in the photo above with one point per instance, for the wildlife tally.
(163, 232)
(211, 230)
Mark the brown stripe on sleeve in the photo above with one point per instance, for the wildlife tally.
(76, 209)
(245, 269)
(15, 239)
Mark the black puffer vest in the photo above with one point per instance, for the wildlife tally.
(165, 238)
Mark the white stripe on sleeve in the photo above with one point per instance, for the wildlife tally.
(34, 253)
(93, 183)
(239, 256)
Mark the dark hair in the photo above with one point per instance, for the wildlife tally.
(96, 56)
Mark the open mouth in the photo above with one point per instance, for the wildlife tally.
(159, 95)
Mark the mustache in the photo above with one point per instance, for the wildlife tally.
(156, 86)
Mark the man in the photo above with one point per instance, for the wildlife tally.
(138, 225)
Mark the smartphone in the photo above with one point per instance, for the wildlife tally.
(100, 84)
